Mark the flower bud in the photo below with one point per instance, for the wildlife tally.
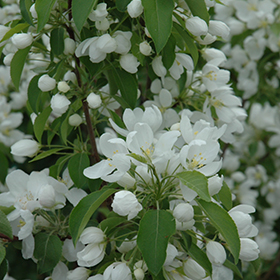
(197, 26)
(92, 235)
(69, 46)
(47, 196)
(139, 274)
(75, 120)
(46, 83)
(102, 25)
(145, 48)
(215, 253)
(94, 101)
(23, 40)
(126, 203)
(8, 59)
(59, 104)
(33, 11)
(25, 147)
(79, 273)
(129, 63)
(193, 270)
(219, 28)
(183, 212)
(135, 8)
(126, 246)
(117, 270)
(158, 67)
(63, 86)
(249, 250)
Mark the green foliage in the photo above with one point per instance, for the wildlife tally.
(81, 214)
(222, 221)
(5, 227)
(4, 163)
(195, 181)
(48, 250)
(198, 8)
(40, 123)
(158, 19)
(43, 9)
(24, 9)
(57, 41)
(155, 229)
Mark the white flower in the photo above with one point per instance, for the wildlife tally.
(46, 196)
(129, 63)
(92, 235)
(102, 25)
(75, 120)
(123, 41)
(94, 101)
(117, 163)
(46, 83)
(23, 40)
(79, 273)
(197, 26)
(243, 221)
(183, 212)
(63, 86)
(3, 30)
(249, 250)
(139, 273)
(145, 48)
(215, 252)
(193, 270)
(69, 46)
(219, 28)
(25, 147)
(158, 67)
(99, 13)
(135, 8)
(59, 104)
(117, 271)
(125, 203)
(91, 255)
(127, 245)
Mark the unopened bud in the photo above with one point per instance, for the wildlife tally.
(63, 86)
(75, 120)
(94, 100)
(23, 40)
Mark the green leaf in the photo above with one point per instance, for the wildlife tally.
(138, 157)
(195, 181)
(233, 267)
(3, 269)
(191, 46)
(40, 123)
(155, 229)
(121, 5)
(24, 9)
(168, 52)
(43, 9)
(48, 251)
(34, 93)
(46, 154)
(198, 8)
(222, 221)
(111, 223)
(127, 84)
(17, 29)
(81, 10)
(81, 214)
(158, 19)
(57, 41)
(17, 65)
(5, 227)
(225, 196)
(4, 167)
(65, 127)
(2, 253)
(76, 166)
(198, 255)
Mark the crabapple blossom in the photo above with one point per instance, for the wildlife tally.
(183, 212)
(23, 40)
(75, 120)
(125, 203)
(59, 104)
(193, 270)
(63, 86)
(215, 252)
(135, 8)
(94, 101)
(46, 83)
(129, 63)
(25, 147)
(249, 250)
(145, 48)
(117, 270)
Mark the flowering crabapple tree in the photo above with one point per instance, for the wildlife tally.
(125, 148)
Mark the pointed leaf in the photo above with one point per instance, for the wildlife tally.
(155, 229)
(158, 19)
(198, 8)
(17, 29)
(57, 41)
(24, 9)
(233, 267)
(195, 181)
(40, 123)
(46, 154)
(48, 251)
(121, 5)
(222, 221)
(127, 85)
(225, 196)
(191, 46)
(43, 9)
(2, 253)
(76, 166)
(3, 269)
(81, 10)
(81, 214)
(5, 227)
(17, 65)
(168, 52)
(34, 93)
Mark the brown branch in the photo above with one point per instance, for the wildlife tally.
(272, 269)
(5, 237)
